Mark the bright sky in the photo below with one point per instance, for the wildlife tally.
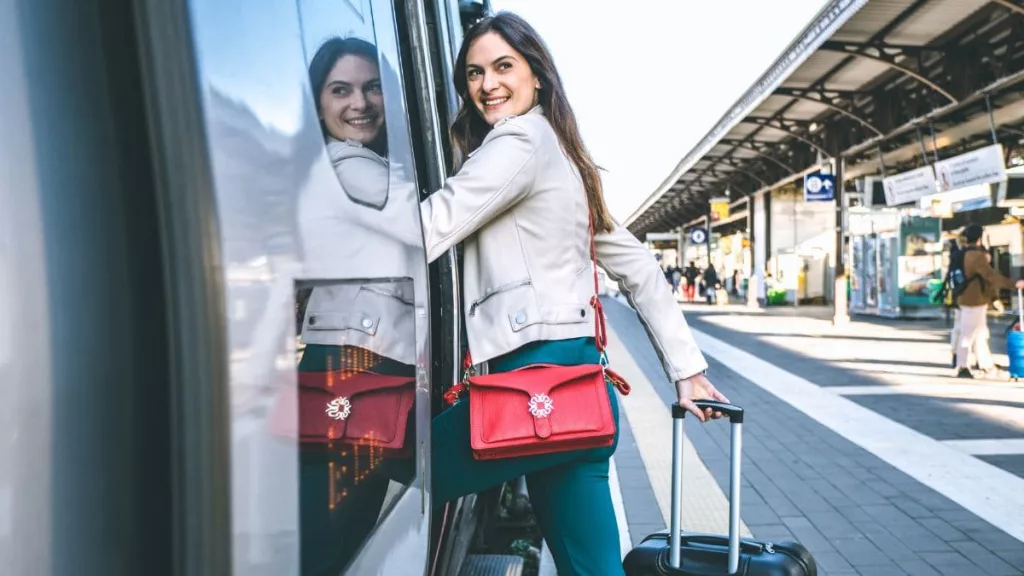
(649, 82)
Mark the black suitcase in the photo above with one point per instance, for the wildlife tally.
(660, 554)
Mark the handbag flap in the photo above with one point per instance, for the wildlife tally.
(535, 378)
(350, 383)
(537, 401)
(361, 406)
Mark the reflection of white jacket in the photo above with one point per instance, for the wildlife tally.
(363, 231)
(519, 207)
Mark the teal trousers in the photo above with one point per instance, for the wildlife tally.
(338, 505)
(569, 491)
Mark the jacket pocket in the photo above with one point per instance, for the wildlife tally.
(393, 292)
(491, 292)
(554, 315)
(326, 321)
(360, 308)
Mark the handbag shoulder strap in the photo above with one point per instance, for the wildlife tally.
(600, 329)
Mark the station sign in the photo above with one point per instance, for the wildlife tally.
(698, 236)
(909, 186)
(981, 166)
(819, 187)
(719, 208)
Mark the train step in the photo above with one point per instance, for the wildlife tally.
(492, 565)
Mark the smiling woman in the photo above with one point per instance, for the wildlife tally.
(528, 207)
(509, 71)
(350, 100)
(499, 80)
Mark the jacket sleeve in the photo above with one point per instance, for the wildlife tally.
(979, 265)
(498, 175)
(366, 181)
(633, 266)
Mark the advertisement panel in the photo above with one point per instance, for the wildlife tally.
(945, 204)
(920, 271)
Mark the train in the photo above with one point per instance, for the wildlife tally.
(178, 246)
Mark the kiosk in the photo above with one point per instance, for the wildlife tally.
(896, 264)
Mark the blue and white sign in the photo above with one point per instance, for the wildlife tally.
(819, 187)
(698, 236)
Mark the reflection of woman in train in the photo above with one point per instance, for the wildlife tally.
(350, 105)
(522, 204)
(352, 331)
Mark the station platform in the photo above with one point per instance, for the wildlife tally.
(858, 442)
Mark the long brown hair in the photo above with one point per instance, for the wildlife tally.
(469, 129)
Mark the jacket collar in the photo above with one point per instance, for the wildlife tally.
(538, 109)
(339, 150)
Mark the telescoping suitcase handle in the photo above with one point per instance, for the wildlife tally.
(735, 414)
(1020, 309)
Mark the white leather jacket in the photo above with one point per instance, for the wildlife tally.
(364, 227)
(519, 206)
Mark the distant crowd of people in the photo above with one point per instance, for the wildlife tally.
(693, 283)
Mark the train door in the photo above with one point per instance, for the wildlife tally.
(201, 209)
(317, 194)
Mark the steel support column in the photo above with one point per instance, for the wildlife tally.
(840, 308)
(752, 283)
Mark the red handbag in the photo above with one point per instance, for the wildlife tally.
(544, 408)
(362, 409)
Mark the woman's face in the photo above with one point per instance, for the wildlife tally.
(499, 80)
(351, 101)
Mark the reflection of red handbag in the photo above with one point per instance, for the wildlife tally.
(356, 408)
(543, 408)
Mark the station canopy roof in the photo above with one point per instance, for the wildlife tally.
(877, 83)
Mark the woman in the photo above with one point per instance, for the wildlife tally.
(521, 204)
(353, 333)
(711, 283)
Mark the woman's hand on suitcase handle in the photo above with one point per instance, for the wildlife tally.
(698, 387)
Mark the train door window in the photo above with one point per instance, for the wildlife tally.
(326, 281)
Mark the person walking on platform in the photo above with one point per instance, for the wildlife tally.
(528, 207)
(947, 295)
(691, 273)
(980, 287)
(711, 283)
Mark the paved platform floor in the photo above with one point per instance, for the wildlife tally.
(857, 443)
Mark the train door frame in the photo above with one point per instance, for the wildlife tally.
(436, 28)
(175, 104)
